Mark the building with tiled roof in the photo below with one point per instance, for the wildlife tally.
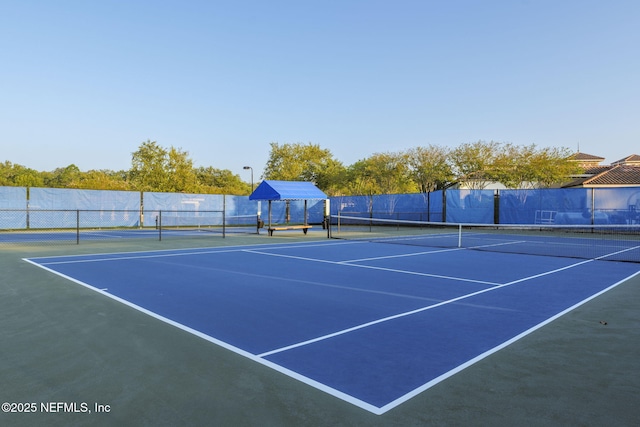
(586, 160)
(622, 173)
(633, 160)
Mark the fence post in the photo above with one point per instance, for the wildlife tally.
(77, 226)
(593, 206)
(160, 225)
(444, 205)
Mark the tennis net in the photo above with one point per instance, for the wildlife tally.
(241, 224)
(603, 242)
(190, 222)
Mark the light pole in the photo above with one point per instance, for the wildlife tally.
(249, 167)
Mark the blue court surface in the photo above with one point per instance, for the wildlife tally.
(373, 324)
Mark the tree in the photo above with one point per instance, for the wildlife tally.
(360, 179)
(180, 172)
(552, 166)
(429, 167)
(62, 177)
(512, 166)
(473, 163)
(154, 168)
(303, 162)
(101, 180)
(219, 181)
(19, 176)
(381, 173)
(148, 167)
(528, 166)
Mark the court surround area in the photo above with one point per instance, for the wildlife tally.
(302, 330)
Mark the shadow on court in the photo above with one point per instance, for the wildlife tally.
(71, 356)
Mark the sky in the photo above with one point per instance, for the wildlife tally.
(87, 82)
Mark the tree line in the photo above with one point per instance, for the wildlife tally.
(424, 169)
(419, 169)
(153, 168)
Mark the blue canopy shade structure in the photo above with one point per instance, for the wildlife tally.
(287, 190)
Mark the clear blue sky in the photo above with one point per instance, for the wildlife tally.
(86, 82)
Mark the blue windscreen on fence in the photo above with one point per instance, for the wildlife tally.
(22, 208)
(522, 206)
(239, 210)
(413, 206)
(548, 206)
(182, 208)
(401, 206)
(58, 208)
(470, 206)
(13, 204)
(436, 210)
(617, 205)
(570, 206)
(350, 205)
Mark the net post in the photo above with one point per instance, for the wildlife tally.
(141, 211)
(459, 235)
(160, 225)
(224, 211)
(327, 217)
(77, 226)
(258, 215)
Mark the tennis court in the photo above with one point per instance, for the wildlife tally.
(370, 323)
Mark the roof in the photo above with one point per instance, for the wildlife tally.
(287, 190)
(619, 175)
(581, 157)
(632, 159)
(596, 170)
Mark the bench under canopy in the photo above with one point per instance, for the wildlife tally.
(286, 191)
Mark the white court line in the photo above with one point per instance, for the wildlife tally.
(618, 252)
(164, 253)
(370, 267)
(419, 310)
(515, 242)
(495, 349)
(212, 248)
(101, 235)
(292, 374)
(323, 387)
(128, 257)
(511, 242)
(314, 283)
(400, 256)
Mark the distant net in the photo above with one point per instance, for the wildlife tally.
(191, 222)
(241, 223)
(604, 242)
